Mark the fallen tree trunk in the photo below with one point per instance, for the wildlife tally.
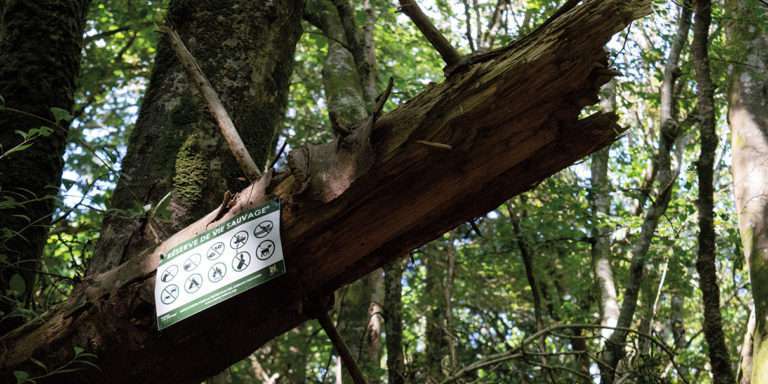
(492, 130)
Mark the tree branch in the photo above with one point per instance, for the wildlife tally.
(220, 114)
(438, 41)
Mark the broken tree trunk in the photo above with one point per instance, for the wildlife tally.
(350, 206)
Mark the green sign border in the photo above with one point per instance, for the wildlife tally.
(233, 289)
(204, 302)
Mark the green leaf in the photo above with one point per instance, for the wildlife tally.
(21, 376)
(17, 284)
(60, 114)
(78, 350)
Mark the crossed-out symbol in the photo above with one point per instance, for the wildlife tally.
(215, 251)
(241, 261)
(217, 272)
(192, 262)
(169, 294)
(265, 250)
(238, 240)
(263, 229)
(193, 283)
(169, 273)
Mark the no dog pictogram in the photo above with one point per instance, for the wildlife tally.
(265, 250)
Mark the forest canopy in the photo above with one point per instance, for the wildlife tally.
(474, 191)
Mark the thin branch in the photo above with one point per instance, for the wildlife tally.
(341, 347)
(438, 41)
(228, 130)
(520, 351)
(101, 35)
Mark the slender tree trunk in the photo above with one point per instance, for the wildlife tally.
(664, 180)
(40, 49)
(677, 324)
(748, 117)
(393, 310)
(530, 274)
(435, 261)
(600, 204)
(705, 263)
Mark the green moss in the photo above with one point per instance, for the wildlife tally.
(190, 172)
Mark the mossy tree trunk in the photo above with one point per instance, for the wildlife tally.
(719, 358)
(359, 304)
(748, 117)
(349, 206)
(40, 49)
(245, 48)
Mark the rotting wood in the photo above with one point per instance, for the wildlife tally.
(512, 121)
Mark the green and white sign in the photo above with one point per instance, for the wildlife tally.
(222, 262)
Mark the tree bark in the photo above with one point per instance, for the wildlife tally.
(40, 49)
(745, 363)
(705, 263)
(346, 213)
(748, 117)
(600, 204)
(245, 49)
(393, 310)
(434, 306)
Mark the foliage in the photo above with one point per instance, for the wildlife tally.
(491, 305)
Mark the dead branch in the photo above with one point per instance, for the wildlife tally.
(438, 41)
(228, 130)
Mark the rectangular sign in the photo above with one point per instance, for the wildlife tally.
(222, 262)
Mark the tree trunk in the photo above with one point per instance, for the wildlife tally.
(705, 263)
(745, 365)
(245, 49)
(346, 213)
(600, 204)
(434, 305)
(40, 49)
(393, 310)
(344, 87)
(748, 117)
